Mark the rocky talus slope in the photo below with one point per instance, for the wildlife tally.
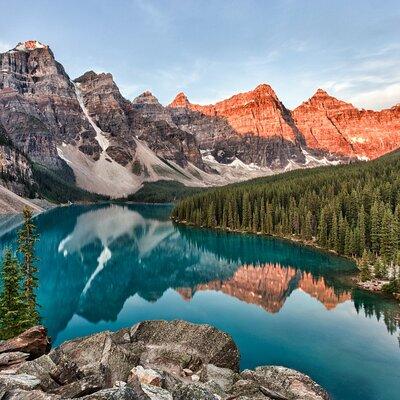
(153, 360)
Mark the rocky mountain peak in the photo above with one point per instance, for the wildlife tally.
(30, 45)
(264, 89)
(146, 98)
(180, 100)
(324, 101)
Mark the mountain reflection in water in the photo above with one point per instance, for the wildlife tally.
(269, 285)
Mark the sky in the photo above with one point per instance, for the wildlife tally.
(213, 49)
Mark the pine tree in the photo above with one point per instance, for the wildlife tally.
(27, 238)
(12, 307)
(364, 266)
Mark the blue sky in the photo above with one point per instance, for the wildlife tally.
(213, 49)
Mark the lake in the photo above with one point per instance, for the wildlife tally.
(110, 266)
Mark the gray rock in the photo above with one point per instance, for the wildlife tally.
(12, 358)
(193, 391)
(85, 386)
(18, 381)
(286, 382)
(156, 393)
(224, 377)
(124, 393)
(40, 368)
(186, 345)
(19, 394)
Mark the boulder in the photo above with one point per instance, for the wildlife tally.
(194, 391)
(223, 377)
(156, 393)
(121, 393)
(40, 368)
(18, 381)
(33, 341)
(19, 394)
(186, 344)
(147, 376)
(11, 359)
(101, 354)
(85, 386)
(285, 382)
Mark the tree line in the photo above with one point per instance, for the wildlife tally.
(353, 210)
(18, 303)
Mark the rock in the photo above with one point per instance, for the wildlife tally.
(194, 391)
(147, 376)
(41, 368)
(195, 378)
(185, 344)
(100, 355)
(12, 358)
(286, 383)
(85, 386)
(187, 372)
(65, 372)
(224, 377)
(125, 393)
(18, 381)
(33, 341)
(19, 394)
(156, 393)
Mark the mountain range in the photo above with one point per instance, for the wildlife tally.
(84, 134)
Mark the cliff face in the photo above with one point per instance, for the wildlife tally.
(253, 127)
(38, 106)
(144, 119)
(338, 127)
(258, 112)
(323, 125)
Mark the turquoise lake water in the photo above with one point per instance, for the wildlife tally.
(110, 266)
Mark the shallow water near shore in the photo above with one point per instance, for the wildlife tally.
(106, 267)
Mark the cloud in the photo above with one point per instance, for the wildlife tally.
(367, 79)
(384, 97)
(5, 46)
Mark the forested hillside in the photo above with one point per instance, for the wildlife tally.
(351, 209)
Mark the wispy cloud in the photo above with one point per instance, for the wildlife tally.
(5, 46)
(369, 79)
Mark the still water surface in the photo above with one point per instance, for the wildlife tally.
(110, 266)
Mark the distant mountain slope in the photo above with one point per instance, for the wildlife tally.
(11, 203)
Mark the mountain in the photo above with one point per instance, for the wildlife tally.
(332, 125)
(67, 139)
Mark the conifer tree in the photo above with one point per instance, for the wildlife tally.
(11, 300)
(27, 238)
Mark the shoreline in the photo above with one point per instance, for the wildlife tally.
(373, 285)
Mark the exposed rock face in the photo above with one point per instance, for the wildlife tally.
(154, 360)
(258, 112)
(338, 127)
(144, 119)
(38, 106)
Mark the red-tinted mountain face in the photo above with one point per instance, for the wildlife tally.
(321, 123)
(333, 125)
(258, 112)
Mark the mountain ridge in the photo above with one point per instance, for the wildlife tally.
(86, 132)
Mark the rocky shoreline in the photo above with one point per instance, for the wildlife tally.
(153, 360)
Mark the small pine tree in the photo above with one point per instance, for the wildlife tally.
(27, 238)
(364, 266)
(11, 300)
